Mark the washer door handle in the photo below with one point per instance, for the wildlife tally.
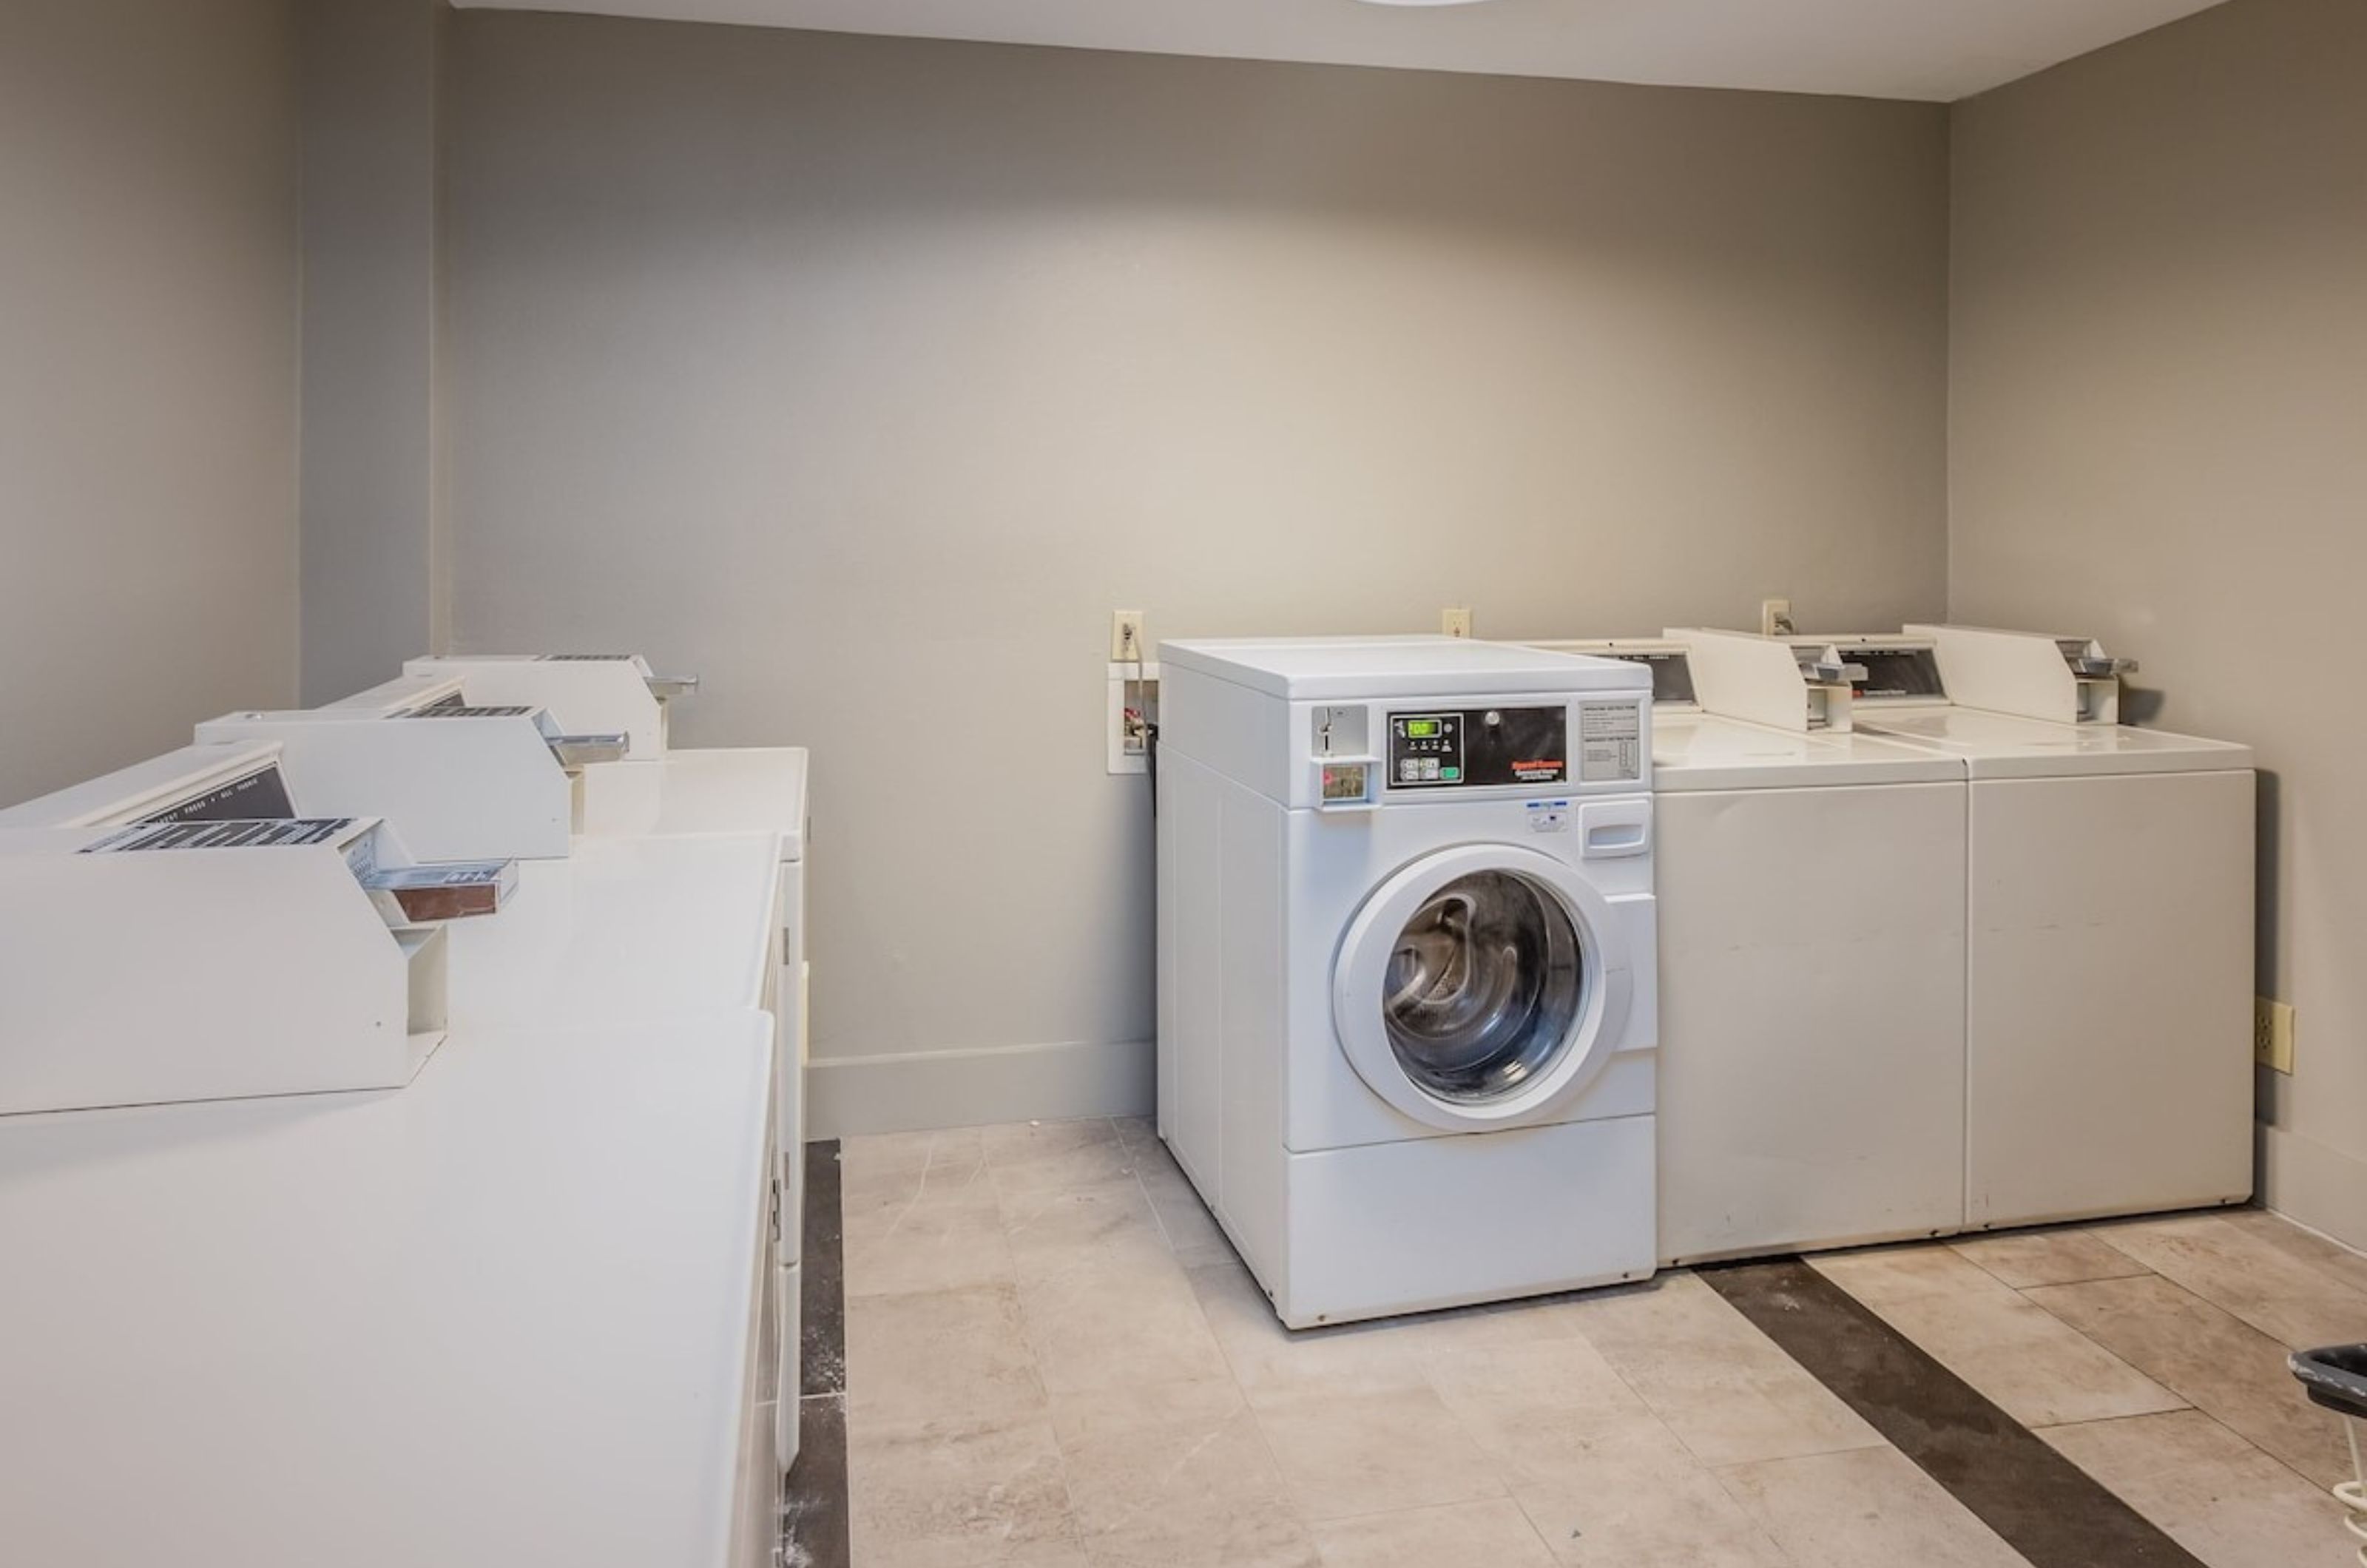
(1611, 828)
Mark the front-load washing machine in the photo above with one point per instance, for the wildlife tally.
(1408, 988)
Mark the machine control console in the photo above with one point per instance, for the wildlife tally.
(1478, 748)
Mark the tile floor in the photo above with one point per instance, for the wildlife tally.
(1055, 1360)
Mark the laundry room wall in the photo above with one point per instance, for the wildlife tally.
(148, 383)
(2158, 331)
(867, 377)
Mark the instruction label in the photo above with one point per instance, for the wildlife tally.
(1610, 743)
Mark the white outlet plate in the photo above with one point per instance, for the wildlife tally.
(1126, 637)
(1455, 620)
(1774, 617)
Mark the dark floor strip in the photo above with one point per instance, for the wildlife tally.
(813, 1507)
(2044, 1507)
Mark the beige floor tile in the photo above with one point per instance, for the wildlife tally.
(1368, 1453)
(2218, 1496)
(2225, 1367)
(2038, 1369)
(2232, 1266)
(891, 1172)
(1191, 1232)
(1605, 1481)
(2330, 1258)
(957, 1492)
(1515, 1398)
(1057, 1230)
(1867, 1509)
(1116, 1319)
(1270, 1361)
(940, 1355)
(873, 1553)
(926, 1246)
(2023, 1258)
(1722, 1386)
(1496, 1534)
(1033, 1155)
(1177, 1475)
(1628, 1495)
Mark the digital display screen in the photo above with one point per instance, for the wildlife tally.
(1421, 728)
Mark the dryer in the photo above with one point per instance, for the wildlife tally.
(1408, 991)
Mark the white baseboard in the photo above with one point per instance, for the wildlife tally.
(851, 1095)
(2315, 1185)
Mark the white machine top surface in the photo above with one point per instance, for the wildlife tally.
(146, 786)
(498, 1318)
(754, 789)
(622, 930)
(1315, 668)
(1999, 746)
(1699, 752)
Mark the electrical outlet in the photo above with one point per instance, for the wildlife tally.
(1126, 637)
(2272, 1035)
(1775, 617)
(1455, 620)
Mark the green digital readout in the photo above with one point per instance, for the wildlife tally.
(1421, 728)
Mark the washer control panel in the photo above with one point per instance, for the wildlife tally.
(1478, 748)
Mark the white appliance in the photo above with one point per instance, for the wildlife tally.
(1812, 971)
(2110, 910)
(688, 898)
(648, 790)
(1406, 949)
(504, 1316)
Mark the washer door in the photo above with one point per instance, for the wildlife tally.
(1480, 987)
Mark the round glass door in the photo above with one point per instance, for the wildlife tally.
(1484, 987)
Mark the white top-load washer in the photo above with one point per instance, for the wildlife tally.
(1811, 893)
(2109, 924)
(1406, 957)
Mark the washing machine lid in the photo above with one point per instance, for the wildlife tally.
(1324, 669)
(1999, 746)
(1711, 753)
(1481, 986)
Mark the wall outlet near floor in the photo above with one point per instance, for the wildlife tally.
(1455, 620)
(1775, 617)
(2272, 1035)
(1126, 637)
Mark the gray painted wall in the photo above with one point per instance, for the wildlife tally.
(371, 457)
(866, 377)
(148, 303)
(2159, 435)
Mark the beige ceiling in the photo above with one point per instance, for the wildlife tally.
(1890, 48)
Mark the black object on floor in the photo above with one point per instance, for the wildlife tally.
(2044, 1507)
(813, 1507)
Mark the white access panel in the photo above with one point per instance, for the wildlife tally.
(2109, 1009)
(1411, 1226)
(500, 1317)
(1812, 1035)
